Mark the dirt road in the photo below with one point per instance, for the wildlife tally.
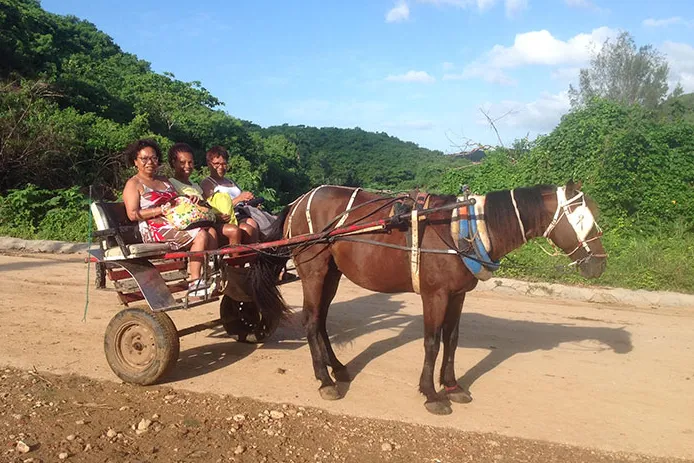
(597, 376)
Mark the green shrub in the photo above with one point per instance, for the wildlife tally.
(34, 213)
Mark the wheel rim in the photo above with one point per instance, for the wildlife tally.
(136, 347)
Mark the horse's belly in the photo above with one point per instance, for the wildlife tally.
(374, 268)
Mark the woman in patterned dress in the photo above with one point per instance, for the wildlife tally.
(147, 195)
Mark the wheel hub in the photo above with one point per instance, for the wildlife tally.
(137, 346)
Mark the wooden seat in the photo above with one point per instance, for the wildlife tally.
(121, 237)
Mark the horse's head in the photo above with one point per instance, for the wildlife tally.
(574, 229)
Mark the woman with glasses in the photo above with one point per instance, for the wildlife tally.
(148, 195)
(216, 183)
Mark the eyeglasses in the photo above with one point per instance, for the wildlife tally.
(147, 160)
(219, 164)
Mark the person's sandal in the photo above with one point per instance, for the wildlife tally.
(199, 288)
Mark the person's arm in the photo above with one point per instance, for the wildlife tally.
(131, 198)
(244, 196)
(207, 188)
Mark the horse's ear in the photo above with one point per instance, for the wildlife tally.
(573, 187)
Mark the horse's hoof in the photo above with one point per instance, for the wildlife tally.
(342, 375)
(329, 393)
(459, 396)
(438, 408)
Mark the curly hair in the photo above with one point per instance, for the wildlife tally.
(178, 148)
(135, 147)
(216, 151)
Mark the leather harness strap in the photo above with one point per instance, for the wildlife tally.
(421, 202)
(308, 209)
(349, 206)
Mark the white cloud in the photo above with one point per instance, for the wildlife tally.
(675, 20)
(540, 47)
(399, 13)
(535, 48)
(513, 7)
(539, 116)
(681, 59)
(412, 76)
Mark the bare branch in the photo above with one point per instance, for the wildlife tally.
(492, 122)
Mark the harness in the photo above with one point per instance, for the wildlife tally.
(469, 232)
(468, 227)
(415, 237)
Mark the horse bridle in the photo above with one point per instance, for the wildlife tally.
(563, 211)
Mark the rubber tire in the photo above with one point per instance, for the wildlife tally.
(228, 308)
(165, 345)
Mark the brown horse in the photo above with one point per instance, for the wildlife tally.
(512, 217)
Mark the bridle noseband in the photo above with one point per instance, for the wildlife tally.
(563, 211)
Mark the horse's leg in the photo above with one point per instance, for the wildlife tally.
(332, 281)
(451, 325)
(434, 312)
(314, 278)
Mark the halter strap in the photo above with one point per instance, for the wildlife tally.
(561, 211)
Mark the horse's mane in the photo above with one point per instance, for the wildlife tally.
(501, 218)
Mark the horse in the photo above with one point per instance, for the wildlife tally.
(382, 261)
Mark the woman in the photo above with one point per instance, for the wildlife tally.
(217, 161)
(147, 196)
(181, 161)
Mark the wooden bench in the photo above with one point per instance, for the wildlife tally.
(121, 237)
(138, 270)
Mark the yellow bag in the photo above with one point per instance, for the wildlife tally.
(223, 205)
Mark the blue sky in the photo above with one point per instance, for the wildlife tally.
(417, 69)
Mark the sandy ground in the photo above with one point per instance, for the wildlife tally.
(598, 376)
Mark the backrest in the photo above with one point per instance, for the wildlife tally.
(113, 215)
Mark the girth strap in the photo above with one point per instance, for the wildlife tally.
(421, 202)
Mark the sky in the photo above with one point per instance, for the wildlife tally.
(426, 71)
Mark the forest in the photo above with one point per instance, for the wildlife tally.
(71, 100)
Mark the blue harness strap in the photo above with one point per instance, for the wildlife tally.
(479, 264)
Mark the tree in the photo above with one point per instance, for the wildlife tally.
(620, 72)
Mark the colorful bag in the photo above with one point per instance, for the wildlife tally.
(184, 214)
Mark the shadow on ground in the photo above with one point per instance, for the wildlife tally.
(503, 337)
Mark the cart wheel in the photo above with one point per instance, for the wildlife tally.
(141, 346)
(244, 320)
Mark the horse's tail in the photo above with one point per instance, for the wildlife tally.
(276, 230)
(264, 276)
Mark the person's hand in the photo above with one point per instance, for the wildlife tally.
(246, 196)
(225, 217)
(193, 199)
(165, 207)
